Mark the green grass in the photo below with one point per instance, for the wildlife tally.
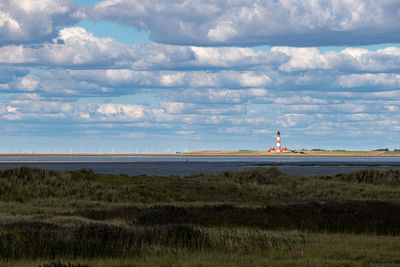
(321, 250)
(256, 217)
(253, 187)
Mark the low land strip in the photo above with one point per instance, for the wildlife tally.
(238, 153)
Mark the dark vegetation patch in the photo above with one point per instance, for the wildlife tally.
(60, 264)
(389, 177)
(30, 240)
(349, 217)
(260, 176)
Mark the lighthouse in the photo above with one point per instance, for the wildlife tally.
(278, 145)
(278, 142)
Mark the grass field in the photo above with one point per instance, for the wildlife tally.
(259, 217)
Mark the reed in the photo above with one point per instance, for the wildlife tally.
(32, 240)
(389, 177)
(350, 217)
(60, 264)
(258, 185)
(246, 217)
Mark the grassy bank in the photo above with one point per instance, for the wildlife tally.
(244, 188)
(254, 217)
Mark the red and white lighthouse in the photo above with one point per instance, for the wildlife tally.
(278, 145)
(278, 142)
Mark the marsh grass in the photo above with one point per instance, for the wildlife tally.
(350, 217)
(33, 240)
(60, 264)
(321, 250)
(389, 177)
(255, 186)
(225, 219)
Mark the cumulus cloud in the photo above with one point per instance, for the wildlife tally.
(31, 21)
(298, 85)
(72, 47)
(167, 116)
(194, 91)
(33, 109)
(219, 96)
(173, 79)
(303, 59)
(52, 84)
(282, 22)
(155, 65)
(348, 60)
(370, 80)
(76, 47)
(9, 73)
(207, 120)
(173, 107)
(120, 112)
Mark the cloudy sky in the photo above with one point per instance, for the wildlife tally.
(141, 76)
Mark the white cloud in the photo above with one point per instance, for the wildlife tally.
(298, 120)
(282, 22)
(227, 56)
(54, 83)
(302, 59)
(77, 47)
(175, 79)
(11, 109)
(213, 96)
(65, 79)
(262, 131)
(120, 112)
(392, 108)
(370, 80)
(31, 21)
(349, 107)
(347, 60)
(251, 79)
(185, 132)
(298, 99)
(172, 107)
(222, 32)
(233, 130)
(257, 92)
(28, 83)
(73, 47)
(202, 120)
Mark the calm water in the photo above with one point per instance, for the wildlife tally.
(135, 165)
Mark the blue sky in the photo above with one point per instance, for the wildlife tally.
(138, 76)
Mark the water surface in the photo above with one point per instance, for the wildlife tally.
(183, 165)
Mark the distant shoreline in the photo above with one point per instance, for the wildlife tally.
(220, 154)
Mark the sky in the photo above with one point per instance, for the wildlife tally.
(156, 76)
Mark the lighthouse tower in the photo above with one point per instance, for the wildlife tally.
(278, 145)
(278, 142)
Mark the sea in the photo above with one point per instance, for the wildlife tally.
(187, 165)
